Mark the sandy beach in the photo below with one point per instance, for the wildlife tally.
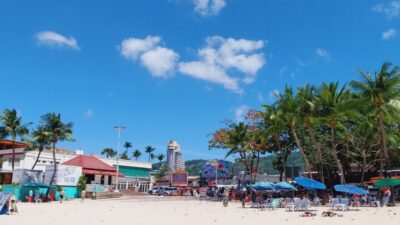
(180, 211)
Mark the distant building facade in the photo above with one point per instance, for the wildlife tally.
(175, 158)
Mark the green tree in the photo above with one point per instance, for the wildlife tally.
(149, 150)
(58, 131)
(109, 152)
(13, 127)
(127, 145)
(136, 154)
(378, 93)
(82, 183)
(160, 157)
(40, 140)
(124, 155)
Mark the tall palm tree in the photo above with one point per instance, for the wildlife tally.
(109, 152)
(13, 127)
(136, 154)
(40, 140)
(309, 114)
(288, 111)
(127, 146)
(124, 155)
(58, 131)
(378, 92)
(152, 156)
(149, 150)
(160, 157)
(335, 108)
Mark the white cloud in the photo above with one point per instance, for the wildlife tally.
(208, 7)
(241, 112)
(391, 33)
(88, 113)
(160, 61)
(391, 9)
(322, 53)
(222, 57)
(53, 39)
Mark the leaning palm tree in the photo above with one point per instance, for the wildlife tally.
(136, 154)
(13, 127)
(288, 111)
(336, 106)
(40, 140)
(308, 110)
(160, 157)
(149, 150)
(58, 131)
(109, 152)
(378, 93)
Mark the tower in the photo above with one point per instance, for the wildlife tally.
(175, 159)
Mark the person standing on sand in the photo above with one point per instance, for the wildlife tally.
(62, 193)
(244, 190)
(83, 195)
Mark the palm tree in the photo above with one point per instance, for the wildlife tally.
(40, 140)
(152, 156)
(58, 131)
(378, 92)
(124, 155)
(109, 152)
(13, 127)
(288, 111)
(127, 145)
(308, 113)
(136, 154)
(335, 108)
(160, 157)
(149, 150)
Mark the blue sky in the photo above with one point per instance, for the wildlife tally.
(174, 69)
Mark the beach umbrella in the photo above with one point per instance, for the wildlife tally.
(309, 184)
(262, 186)
(387, 182)
(285, 186)
(350, 189)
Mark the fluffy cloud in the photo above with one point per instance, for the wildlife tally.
(222, 57)
(391, 33)
(160, 61)
(391, 9)
(322, 53)
(208, 7)
(53, 39)
(241, 112)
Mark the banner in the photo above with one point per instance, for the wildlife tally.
(23, 176)
(179, 179)
(208, 169)
(65, 176)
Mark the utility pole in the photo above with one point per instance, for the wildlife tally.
(118, 129)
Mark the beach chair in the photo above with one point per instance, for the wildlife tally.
(296, 204)
(289, 206)
(316, 201)
(275, 203)
(344, 204)
(334, 203)
(305, 205)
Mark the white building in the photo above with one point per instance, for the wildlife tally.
(175, 159)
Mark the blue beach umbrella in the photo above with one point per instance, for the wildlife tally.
(350, 189)
(309, 184)
(262, 186)
(284, 186)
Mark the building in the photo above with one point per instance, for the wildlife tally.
(175, 159)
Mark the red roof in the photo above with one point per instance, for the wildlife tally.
(90, 163)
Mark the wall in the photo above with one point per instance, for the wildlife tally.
(134, 172)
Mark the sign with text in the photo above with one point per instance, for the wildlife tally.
(180, 179)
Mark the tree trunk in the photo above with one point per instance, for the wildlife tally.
(364, 164)
(278, 144)
(318, 147)
(258, 160)
(13, 154)
(37, 159)
(307, 165)
(335, 156)
(54, 162)
(383, 136)
(382, 164)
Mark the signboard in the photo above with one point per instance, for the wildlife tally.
(65, 176)
(3, 200)
(23, 176)
(208, 169)
(179, 179)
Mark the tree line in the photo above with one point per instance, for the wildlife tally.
(334, 128)
(136, 154)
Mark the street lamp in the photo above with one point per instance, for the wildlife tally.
(118, 129)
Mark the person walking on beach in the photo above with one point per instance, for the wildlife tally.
(83, 195)
(62, 193)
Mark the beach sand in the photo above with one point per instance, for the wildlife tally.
(148, 210)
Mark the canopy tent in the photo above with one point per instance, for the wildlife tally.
(284, 186)
(387, 182)
(92, 165)
(350, 189)
(309, 184)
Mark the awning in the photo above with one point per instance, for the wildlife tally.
(101, 172)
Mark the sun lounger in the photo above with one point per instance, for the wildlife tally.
(274, 204)
(305, 205)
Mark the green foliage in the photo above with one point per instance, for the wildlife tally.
(136, 154)
(162, 171)
(82, 183)
(109, 152)
(59, 188)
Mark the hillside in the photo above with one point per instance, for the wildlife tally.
(265, 165)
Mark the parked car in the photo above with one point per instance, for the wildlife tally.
(169, 191)
(156, 190)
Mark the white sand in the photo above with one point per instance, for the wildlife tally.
(177, 211)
